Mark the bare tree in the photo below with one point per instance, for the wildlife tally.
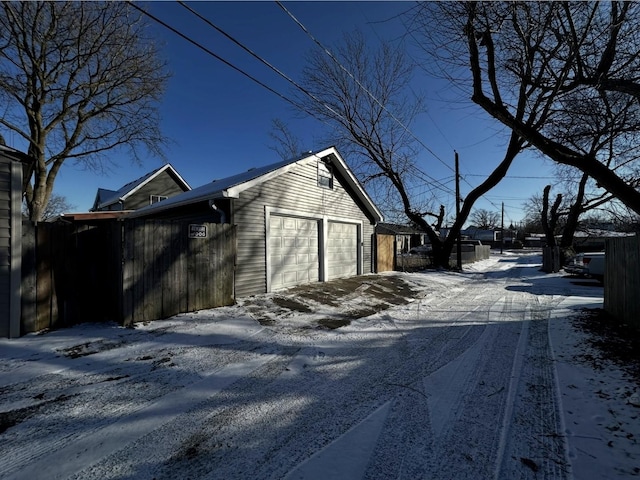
(286, 145)
(363, 93)
(579, 64)
(56, 206)
(77, 81)
(484, 219)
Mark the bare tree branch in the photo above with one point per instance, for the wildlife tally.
(81, 80)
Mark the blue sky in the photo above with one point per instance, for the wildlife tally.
(218, 121)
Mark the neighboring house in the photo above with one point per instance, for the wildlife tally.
(405, 237)
(11, 162)
(298, 221)
(155, 186)
(593, 239)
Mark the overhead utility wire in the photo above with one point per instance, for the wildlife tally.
(328, 52)
(206, 50)
(260, 59)
(216, 56)
(293, 82)
(371, 95)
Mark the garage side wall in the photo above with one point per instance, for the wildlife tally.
(297, 191)
(10, 246)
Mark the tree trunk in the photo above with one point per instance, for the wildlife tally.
(574, 215)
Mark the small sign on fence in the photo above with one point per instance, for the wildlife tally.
(197, 231)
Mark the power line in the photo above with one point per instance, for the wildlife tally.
(525, 177)
(262, 60)
(298, 86)
(422, 175)
(373, 97)
(214, 55)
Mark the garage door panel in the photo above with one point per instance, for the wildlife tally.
(342, 249)
(293, 251)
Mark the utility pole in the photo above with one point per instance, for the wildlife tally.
(459, 246)
(502, 230)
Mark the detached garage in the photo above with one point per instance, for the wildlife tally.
(298, 221)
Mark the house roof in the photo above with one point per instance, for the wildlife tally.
(396, 229)
(106, 197)
(14, 154)
(90, 216)
(231, 187)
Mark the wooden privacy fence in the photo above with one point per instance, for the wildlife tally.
(622, 279)
(124, 271)
(166, 272)
(69, 274)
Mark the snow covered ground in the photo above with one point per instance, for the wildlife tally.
(473, 375)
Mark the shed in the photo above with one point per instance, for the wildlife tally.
(405, 236)
(11, 164)
(301, 220)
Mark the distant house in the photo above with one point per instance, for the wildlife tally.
(162, 183)
(11, 163)
(302, 220)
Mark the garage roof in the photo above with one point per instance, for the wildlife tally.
(231, 187)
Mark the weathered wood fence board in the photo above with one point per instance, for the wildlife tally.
(165, 272)
(67, 272)
(122, 271)
(622, 279)
(385, 252)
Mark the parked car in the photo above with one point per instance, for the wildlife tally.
(470, 242)
(588, 264)
(421, 250)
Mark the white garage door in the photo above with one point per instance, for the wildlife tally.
(293, 251)
(342, 249)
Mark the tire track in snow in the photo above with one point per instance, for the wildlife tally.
(427, 422)
(68, 398)
(113, 437)
(466, 446)
(534, 445)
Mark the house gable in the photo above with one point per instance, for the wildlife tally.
(160, 184)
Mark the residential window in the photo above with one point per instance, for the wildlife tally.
(157, 198)
(325, 175)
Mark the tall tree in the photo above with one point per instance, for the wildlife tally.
(579, 63)
(78, 80)
(363, 92)
(484, 219)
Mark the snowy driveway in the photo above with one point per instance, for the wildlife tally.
(463, 376)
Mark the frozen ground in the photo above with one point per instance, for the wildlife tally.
(474, 375)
